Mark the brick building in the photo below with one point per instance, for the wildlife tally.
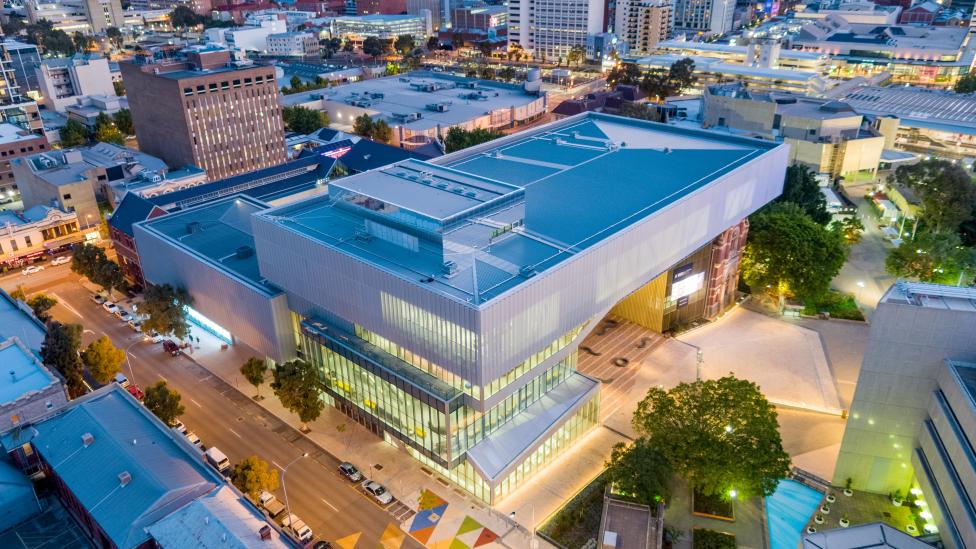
(132, 209)
(202, 107)
(16, 142)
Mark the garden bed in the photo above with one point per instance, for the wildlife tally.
(578, 522)
(836, 304)
(710, 539)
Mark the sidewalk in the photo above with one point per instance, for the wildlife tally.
(445, 516)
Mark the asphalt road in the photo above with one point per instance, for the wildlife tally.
(221, 416)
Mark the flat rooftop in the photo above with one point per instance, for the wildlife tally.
(716, 65)
(504, 211)
(411, 93)
(11, 133)
(16, 322)
(23, 372)
(917, 105)
(932, 296)
(220, 234)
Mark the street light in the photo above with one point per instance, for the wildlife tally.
(284, 471)
(132, 378)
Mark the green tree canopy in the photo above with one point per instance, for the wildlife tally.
(374, 47)
(640, 111)
(123, 121)
(164, 403)
(42, 304)
(253, 475)
(82, 41)
(115, 36)
(303, 120)
(73, 134)
(106, 131)
(404, 44)
(87, 261)
(661, 84)
(253, 371)
(788, 252)
(119, 88)
(850, 227)
(623, 73)
(363, 125)
(966, 84)
(432, 43)
(166, 307)
(110, 276)
(296, 386)
(184, 17)
(459, 138)
(60, 351)
(945, 189)
(641, 472)
(103, 359)
(936, 257)
(801, 188)
(382, 131)
(720, 435)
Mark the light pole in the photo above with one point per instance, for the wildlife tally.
(132, 378)
(284, 471)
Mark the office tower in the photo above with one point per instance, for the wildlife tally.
(643, 23)
(71, 16)
(549, 29)
(202, 107)
(708, 17)
(911, 423)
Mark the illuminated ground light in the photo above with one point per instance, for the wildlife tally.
(208, 325)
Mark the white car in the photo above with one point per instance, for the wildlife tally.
(154, 336)
(122, 380)
(63, 260)
(193, 438)
(135, 326)
(378, 491)
(110, 308)
(32, 270)
(179, 427)
(123, 315)
(97, 299)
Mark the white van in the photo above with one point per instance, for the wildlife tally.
(294, 524)
(217, 460)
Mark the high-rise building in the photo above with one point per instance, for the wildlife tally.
(63, 79)
(436, 8)
(549, 29)
(23, 59)
(203, 107)
(708, 17)
(71, 16)
(643, 23)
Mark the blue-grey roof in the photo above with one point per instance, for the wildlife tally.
(164, 473)
(132, 209)
(23, 372)
(367, 155)
(17, 320)
(521, 204)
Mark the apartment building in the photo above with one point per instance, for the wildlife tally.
(704, 17)
(294, 44)
(549, 29)
(62, 80)
(643, 24)
(71, 16)
(16, 142)
(460, 288)
(249, 37)
(825, 135)
(204, 108)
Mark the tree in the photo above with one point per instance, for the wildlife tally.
(719, 435)
(623, 73)
(119, 88)
(183, 17)
(363, 125)
(640, 471)
(373, 47)
(460, 138)
(945, 189)
(577, 54)
(296, 386)
(42, 304)
(253, 371)
(57, 42)
(660, 84)
(382, 131)
(801, 188)
(166, 307)
(106, 131)
(404, 44)
(60, 350)
(82, 42)
(73, 134)
(303, 120)
(640, 111)
(115, 36)
(103, 359)
(487, 73)
(87, 260)
(484, 48)
(123, 121)
(932, 257)
(507, 74)
(253, 476)
(790, 253)
(966, 84)
(347, 46)
(432, 43)
(850, 227)
(110, 276)
(164, 403)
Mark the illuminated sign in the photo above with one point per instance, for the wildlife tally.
(687, 285)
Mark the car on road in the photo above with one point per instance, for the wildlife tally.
(154, 336)
(295, 525)
(121, 380)
(135, 391)
(378, 491)
(123, 315)
(218, 460)
(193, 438)
(179, 427)
(110, 308)
(349, 471)
(32, 270)
(62, 260)
(171, 347)
(97, 299)
(135, 326)
(271, 504)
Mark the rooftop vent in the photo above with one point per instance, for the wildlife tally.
(528, 271)
(449, 269)
(244, 252)
(124, 478)
(13, 375)
(192, 227)
(265, 533)
(87, 439)
(667, 150)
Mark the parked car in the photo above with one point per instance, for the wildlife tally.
(110, 308)
(298, 527)
(193, 438)
(349, 471)
(135, 326)
(171, 347)
(136, 392)
(32, 270)
(378, 491)
(322, 544)
(218, 460)
(271, 504)
(121, 380)
(179, 427)
(154, 336)
(97, 299)
(123, 315)
(62, 260)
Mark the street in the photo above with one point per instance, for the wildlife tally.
(224, 417)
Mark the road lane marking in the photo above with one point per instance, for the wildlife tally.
(277, 465)
(330, 505)
(231, 430)
(197, 403)
(64, 303)
(161, 377)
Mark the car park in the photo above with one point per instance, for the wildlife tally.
(350, 471)
(110, 307)
(97, 299)
(62, 260)
(32, 270)
(378, 491)
(193, 438)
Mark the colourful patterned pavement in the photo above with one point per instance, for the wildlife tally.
(453, 530)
